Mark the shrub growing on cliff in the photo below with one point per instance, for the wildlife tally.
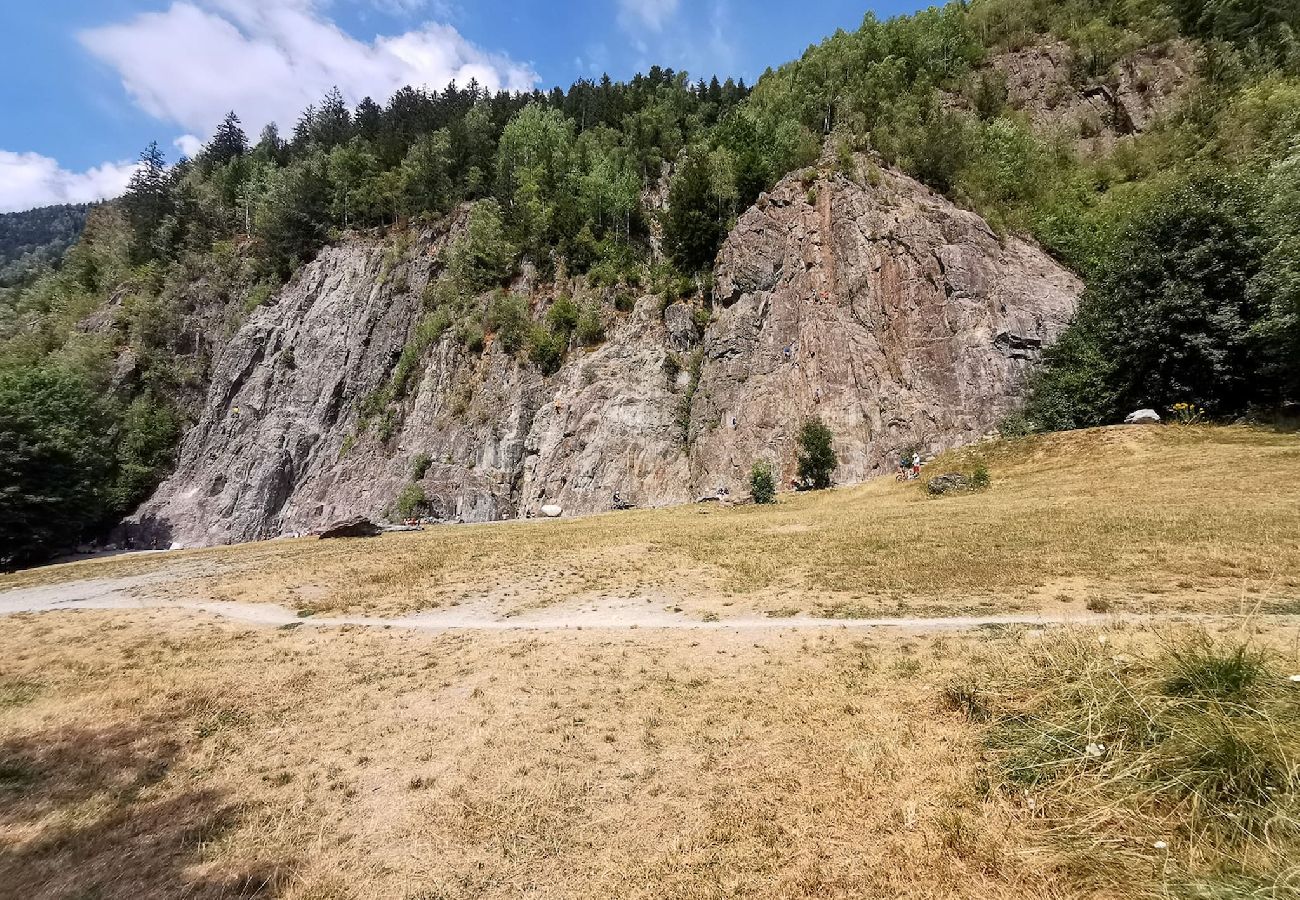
(546, 349)
(562, 317)
(762, 483)
(411, 502)
(817, 460)
(483, 256)
(590, 331)
(507, 316)
(420, 465)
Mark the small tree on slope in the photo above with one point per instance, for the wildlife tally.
(817, 459)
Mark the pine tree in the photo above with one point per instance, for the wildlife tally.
(228, 143)
(693, 224)
(369, 119)
(270, 146)
(333, 121)
(305, 131)
(147, 200)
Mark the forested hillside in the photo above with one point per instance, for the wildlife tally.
(37, 238)
(1186, 230)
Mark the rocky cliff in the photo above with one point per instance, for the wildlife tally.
(1047, 85)
(860, 297)
(1043, 84)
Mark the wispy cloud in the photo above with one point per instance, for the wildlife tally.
(699, 41)
(29, 180)
(652, 14)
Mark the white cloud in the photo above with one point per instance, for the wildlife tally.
(29, 180)
(189, 144)
(268, 59)
(650, 14)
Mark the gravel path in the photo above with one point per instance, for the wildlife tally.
(131, 593)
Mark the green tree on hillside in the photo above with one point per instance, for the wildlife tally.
(1171, 317)
(817, 459)
(228, 143)
(533, 163)
(693, 225)
(425, 178)
(56, 447)
(1276, 289)
(148, 202)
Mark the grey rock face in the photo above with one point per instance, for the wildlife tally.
(899, 319)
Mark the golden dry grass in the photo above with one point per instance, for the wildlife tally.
(140, 759)
(146, 756)
(1154, 519)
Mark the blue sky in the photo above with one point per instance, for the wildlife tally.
(86, 83)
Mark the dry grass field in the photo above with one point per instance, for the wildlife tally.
(143, 759)
(1138, 519)
(165, 752)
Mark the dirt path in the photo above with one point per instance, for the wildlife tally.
(131, 593)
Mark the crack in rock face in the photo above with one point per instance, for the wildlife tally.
(899, 319)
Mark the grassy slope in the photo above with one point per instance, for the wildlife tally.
(1196, 519)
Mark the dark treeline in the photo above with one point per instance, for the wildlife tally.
(566, 167)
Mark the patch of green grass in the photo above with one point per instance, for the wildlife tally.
(1183, 762)
(784, 612)
(17, 692)
(844, 611)
(1202, 671)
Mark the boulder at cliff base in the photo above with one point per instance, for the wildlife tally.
(357, 526)
(1143, 417)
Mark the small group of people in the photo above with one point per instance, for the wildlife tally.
(909, 467)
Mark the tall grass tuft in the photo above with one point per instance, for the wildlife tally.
(1173, 771)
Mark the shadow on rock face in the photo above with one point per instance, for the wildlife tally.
(92, 820)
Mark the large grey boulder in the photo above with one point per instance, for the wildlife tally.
(950, 483)
(357, 526)
(1143, 417)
